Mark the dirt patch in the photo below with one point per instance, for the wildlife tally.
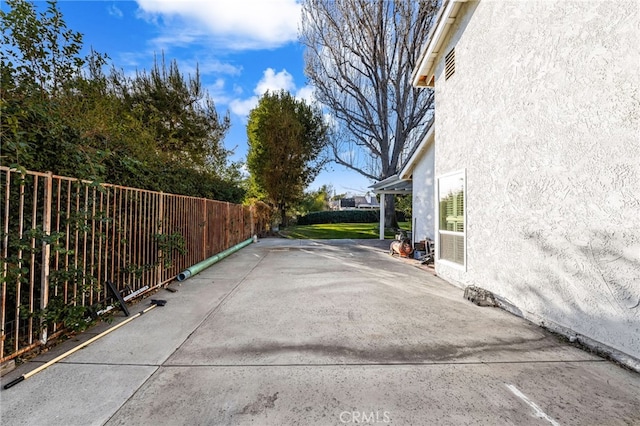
(261, 404)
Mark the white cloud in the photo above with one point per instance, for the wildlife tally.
(174, 38)
(331, 121)
(235, 24)
(218, 85)
(242, 107)
(216, 66)
(306, 94)
(238, 90)
(218, 93)
(113, 10)
(207, 66)
(274, 82)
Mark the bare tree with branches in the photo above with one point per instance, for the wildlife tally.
(359, 56)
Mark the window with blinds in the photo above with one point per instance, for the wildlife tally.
(451, 212)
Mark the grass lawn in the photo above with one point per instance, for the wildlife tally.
(338, 231)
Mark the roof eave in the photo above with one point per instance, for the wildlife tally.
(392, 185)
(407, 169)
(423, 75)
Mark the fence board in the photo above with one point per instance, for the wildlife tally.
(62, 238)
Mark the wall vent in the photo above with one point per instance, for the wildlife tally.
(449, 64)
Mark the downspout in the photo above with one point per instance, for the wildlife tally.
(198, 267)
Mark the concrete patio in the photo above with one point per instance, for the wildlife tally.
(288, 332)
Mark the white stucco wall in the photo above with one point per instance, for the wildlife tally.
(423, 208)
(543, 112)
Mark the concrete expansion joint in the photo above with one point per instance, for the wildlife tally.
(110, 364)
(385, 364)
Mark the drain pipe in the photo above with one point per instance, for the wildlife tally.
(198, 267)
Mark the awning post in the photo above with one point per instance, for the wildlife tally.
(382, 216)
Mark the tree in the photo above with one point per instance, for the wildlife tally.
(180, 113)
(404, 204)
(59, 112)
(286, 139)
(359, 56)
(39, 54)
(169, 136)
(39, 62)
(315, 201)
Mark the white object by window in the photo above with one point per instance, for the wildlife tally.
(452, 218)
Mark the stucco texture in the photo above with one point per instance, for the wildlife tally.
(423, 208)
(543, 112)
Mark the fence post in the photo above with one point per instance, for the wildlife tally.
(227, 234)
(160, 233)
(253, 220)
(205, 228)
(46, 252)
(5, 254)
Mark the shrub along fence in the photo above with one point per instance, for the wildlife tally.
(62, 239)
(344, 216)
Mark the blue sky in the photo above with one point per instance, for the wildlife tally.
(242, 48)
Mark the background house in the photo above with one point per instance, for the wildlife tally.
(358, 202)
(536, 177)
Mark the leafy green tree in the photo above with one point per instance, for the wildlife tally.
(169, 136)
(180, 114)
(286, 139)
(315, 201)
(40, 54)
(404, 204)
(60, 112)
(40, 61)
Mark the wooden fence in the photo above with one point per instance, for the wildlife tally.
(63, 238)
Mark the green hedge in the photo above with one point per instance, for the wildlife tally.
(344, 216)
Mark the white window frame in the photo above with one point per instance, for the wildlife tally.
(449, 263)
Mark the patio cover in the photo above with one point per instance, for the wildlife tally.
(391, 185)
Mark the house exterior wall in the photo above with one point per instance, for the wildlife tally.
(543, 114)
(423, 208)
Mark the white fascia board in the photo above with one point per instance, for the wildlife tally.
(431, 51)
(391, 185)
(407, 170)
